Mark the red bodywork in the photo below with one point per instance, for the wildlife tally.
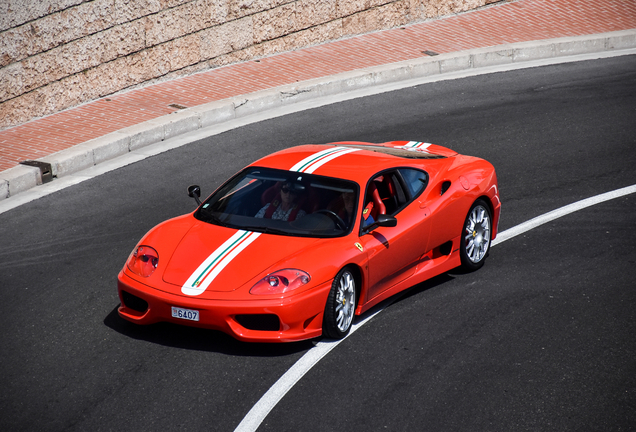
(424, 243)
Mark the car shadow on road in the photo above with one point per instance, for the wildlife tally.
(199, 339)
(424, 286)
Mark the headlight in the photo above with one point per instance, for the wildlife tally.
(143, 261)
(281, 281)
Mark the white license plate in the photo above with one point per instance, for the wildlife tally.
(186, 314)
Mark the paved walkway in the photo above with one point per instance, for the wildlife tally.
(502, 23)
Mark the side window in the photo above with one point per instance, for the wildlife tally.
(415, 180)
(386, 194)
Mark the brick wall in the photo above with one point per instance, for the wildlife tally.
(56, 54)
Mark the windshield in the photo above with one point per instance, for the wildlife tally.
(283, 202)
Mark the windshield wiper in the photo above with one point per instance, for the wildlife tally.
(266, 230)
(211, 218)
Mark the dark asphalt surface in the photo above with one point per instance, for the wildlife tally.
(541, 338)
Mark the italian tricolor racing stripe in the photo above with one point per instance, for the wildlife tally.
(416, 145)
(316, 160)
(215, 263)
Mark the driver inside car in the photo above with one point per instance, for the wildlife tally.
(284, 206)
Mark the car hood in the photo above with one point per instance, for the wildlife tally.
(211, 258)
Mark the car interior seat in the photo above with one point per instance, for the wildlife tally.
(373, 197)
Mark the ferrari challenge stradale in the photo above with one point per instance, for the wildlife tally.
(299, 242)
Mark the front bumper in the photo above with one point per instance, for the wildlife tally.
(299, 316)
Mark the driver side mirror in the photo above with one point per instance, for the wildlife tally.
(194, 191)
(383, 221)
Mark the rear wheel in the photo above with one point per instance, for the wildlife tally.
(341, 305)
(475, 239)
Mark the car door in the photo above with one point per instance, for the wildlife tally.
(394, 252)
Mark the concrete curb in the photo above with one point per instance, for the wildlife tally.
(98, 150)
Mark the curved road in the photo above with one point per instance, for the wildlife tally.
(541, 338)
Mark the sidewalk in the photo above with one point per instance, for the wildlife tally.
(502, 23)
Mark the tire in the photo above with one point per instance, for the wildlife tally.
(341, 305)
(475, 238)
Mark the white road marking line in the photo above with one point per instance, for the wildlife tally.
(257, 414)
(270, 399)
(555, 214)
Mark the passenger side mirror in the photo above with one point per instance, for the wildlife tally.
(194, 191)
(383, 221)
(386, 221)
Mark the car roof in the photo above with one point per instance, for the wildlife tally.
(354, 160)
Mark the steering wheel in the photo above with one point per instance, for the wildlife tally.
(337, 219)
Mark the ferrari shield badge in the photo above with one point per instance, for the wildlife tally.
(359, 246)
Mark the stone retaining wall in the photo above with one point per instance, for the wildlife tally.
(56, 54)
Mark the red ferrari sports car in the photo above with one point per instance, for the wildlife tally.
(297, 243)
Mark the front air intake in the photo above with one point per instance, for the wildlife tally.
(261, 322)
(133, 302)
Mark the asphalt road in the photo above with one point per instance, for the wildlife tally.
(543, 337)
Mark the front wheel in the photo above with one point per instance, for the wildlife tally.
(341, 305)
(475, 239)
